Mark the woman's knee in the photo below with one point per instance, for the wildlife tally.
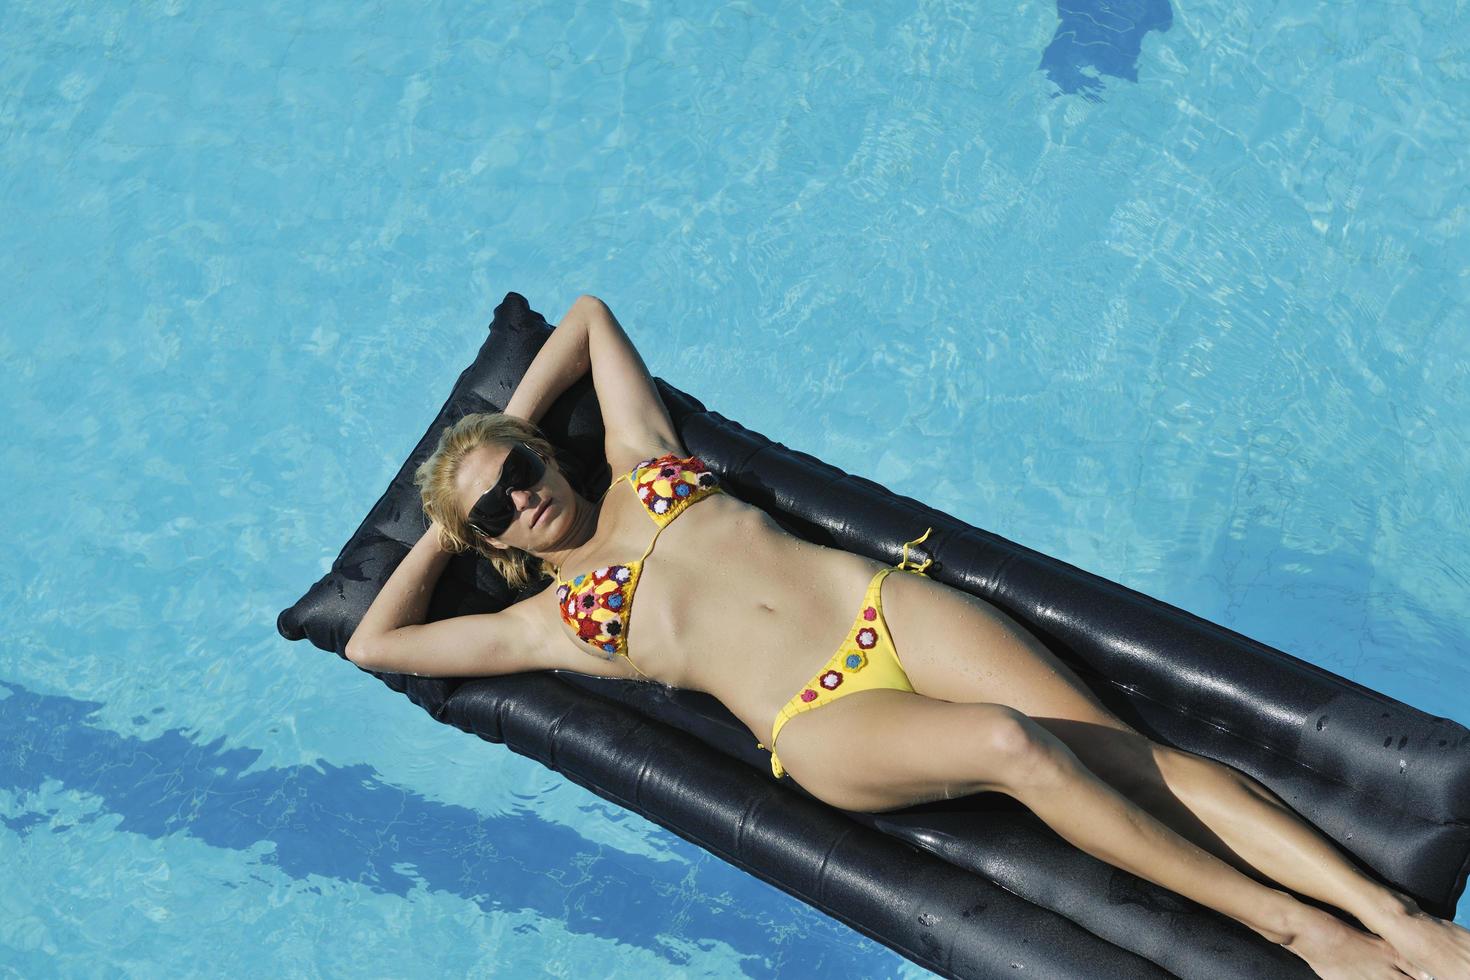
(1022, 752)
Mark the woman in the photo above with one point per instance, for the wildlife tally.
(802, 644)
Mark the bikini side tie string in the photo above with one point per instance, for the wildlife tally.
(907, 545)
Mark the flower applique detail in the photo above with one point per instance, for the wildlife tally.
(831, 680)
(667, 484)
(596, 606)
(866, 637)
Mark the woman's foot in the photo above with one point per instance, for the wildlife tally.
(1336, 951)
(1428, 947)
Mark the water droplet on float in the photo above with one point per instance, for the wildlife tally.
(1388, 741)
(1321, 723)
(1403, 741)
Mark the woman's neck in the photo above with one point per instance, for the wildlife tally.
(586, 518)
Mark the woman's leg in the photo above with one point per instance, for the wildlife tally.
(915, 749)
(957, 647)
(1096, 818)
(1423, 947)
(1220, 807)
(1233, 816)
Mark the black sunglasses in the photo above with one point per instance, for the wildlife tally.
(494, 511)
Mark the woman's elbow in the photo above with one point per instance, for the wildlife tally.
(357, 651)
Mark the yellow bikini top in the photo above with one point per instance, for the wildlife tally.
(597, 604)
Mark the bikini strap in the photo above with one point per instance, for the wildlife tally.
(904, 563)
(651, 541)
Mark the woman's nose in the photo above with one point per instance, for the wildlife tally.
(520, 498)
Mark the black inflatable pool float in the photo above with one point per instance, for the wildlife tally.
(975, 887)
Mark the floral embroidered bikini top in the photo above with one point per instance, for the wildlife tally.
(597, 604)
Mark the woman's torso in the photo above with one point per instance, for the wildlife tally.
(727, 602)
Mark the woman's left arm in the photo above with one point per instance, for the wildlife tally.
(634, 419)
(563, 359)
(636, 423)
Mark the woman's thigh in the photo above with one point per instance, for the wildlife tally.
(882, 749)
(957, 647)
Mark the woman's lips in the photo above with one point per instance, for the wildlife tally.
(540, 513)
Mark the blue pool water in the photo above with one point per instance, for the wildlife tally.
(1177, 295)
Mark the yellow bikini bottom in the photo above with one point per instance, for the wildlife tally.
(866, 660)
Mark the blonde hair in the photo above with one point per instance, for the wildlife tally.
(435, 478)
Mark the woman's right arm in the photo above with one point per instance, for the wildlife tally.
(479, 645)
(392, 635)
(560, 362)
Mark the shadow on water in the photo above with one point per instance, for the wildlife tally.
(346, 823)
(1100, 37)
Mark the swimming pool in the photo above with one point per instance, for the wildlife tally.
(1181, 303)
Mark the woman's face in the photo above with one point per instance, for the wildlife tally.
(543, 512)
